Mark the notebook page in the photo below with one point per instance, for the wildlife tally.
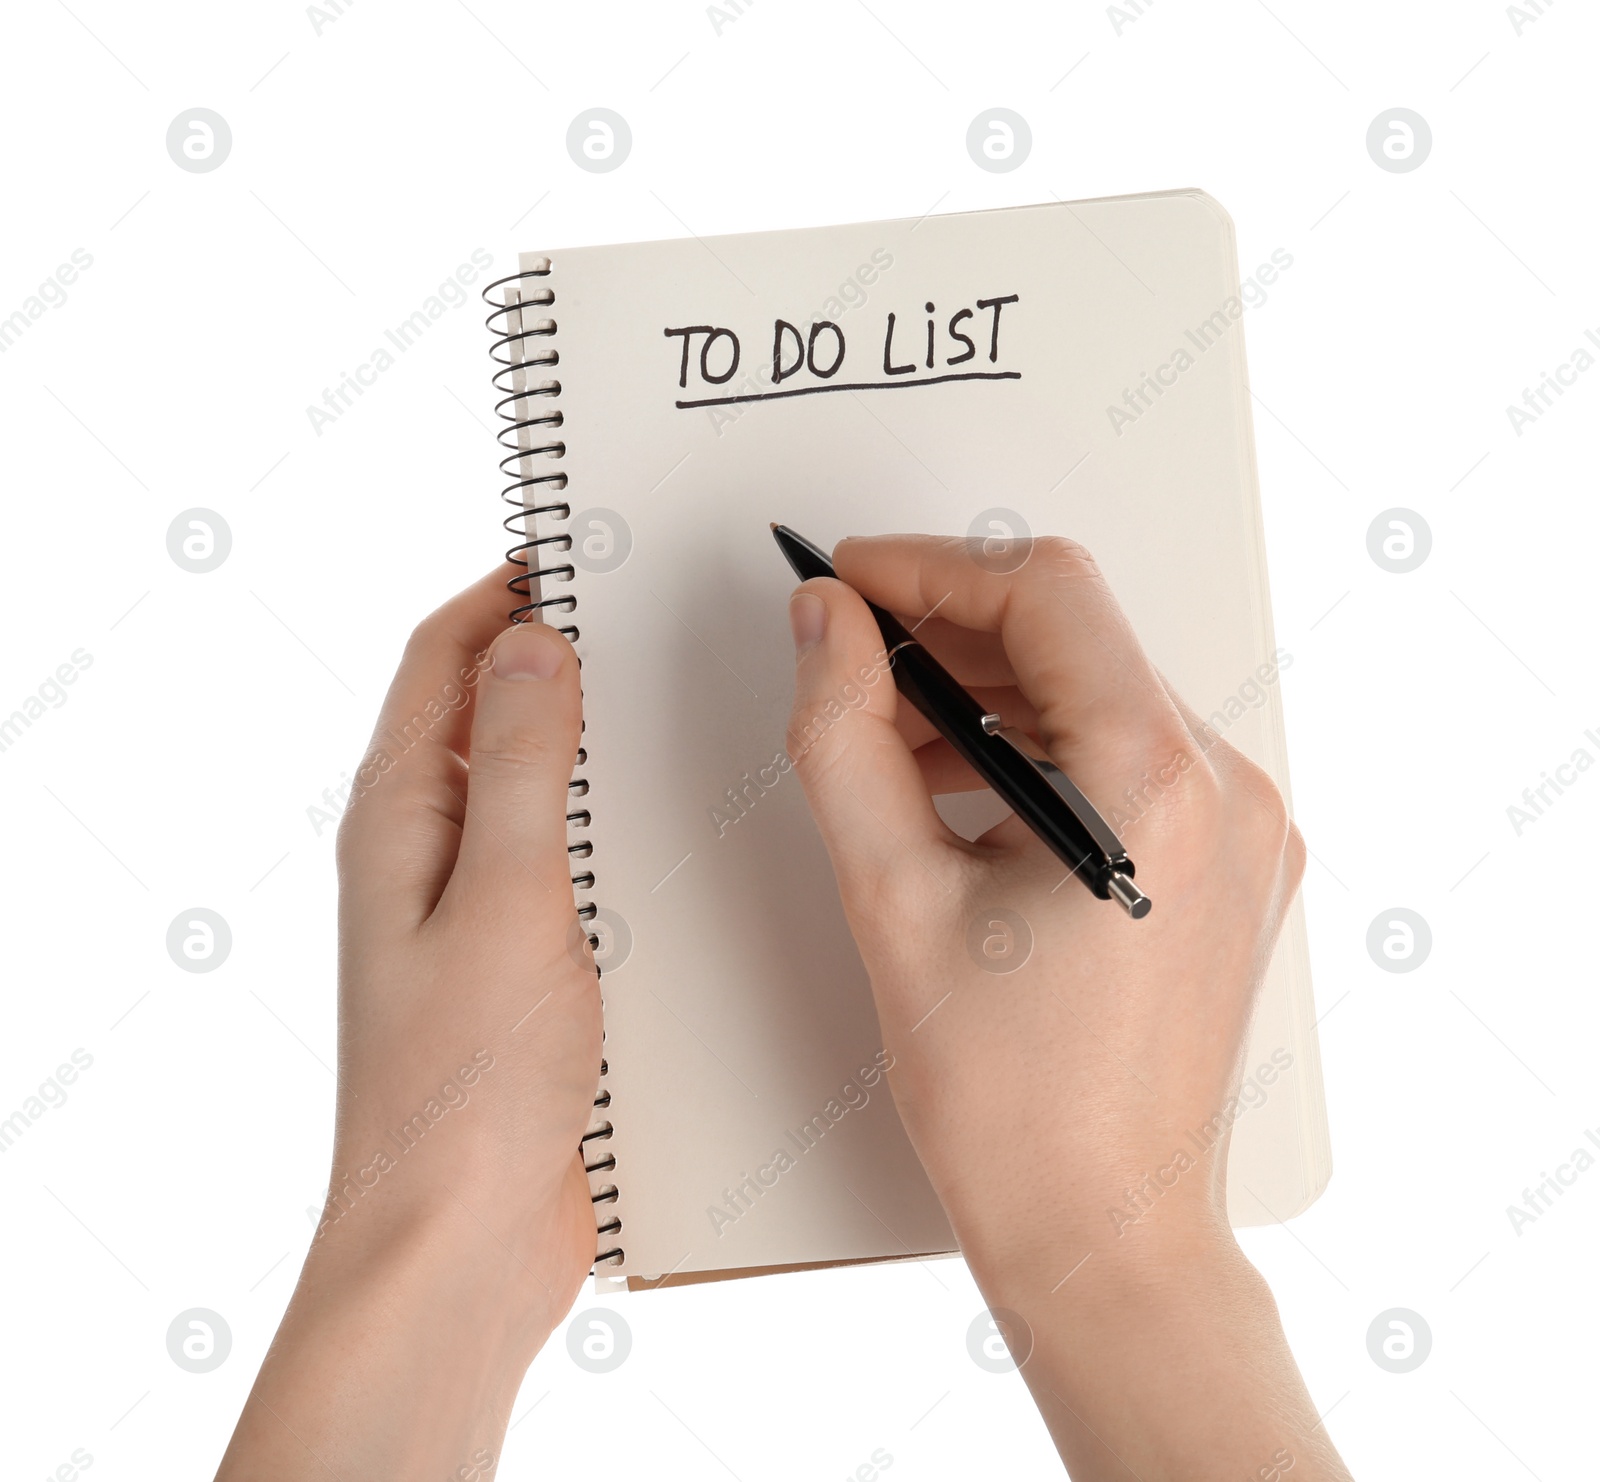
(753, 1126)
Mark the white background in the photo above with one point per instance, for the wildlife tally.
(368, 162)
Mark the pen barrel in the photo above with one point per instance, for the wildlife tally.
(896, 636)
(959, 719)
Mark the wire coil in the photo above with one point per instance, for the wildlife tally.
(532, 433)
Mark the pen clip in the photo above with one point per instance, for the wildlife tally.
(1116, 857)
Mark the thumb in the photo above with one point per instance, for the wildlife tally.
(526, 723)
(861, 779)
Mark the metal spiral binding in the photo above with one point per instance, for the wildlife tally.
(526, 407)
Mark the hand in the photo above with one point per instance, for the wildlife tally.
(1052, 1105)
(459, 1225)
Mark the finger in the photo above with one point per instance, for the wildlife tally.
(973, 658)
(944, 770)
(398, 836)
(1102, 707)
(446, 653)
(527, 718)
(860, 777)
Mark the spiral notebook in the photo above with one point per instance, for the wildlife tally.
(1081, 365)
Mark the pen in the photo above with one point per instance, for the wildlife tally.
(1005, 757)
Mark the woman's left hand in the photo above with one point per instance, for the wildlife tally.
(459, 1225)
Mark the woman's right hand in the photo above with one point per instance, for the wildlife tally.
(1052, 1104)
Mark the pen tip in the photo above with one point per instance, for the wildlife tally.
(772, 524)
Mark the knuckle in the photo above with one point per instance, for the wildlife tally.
(1202, 787)
(1294, 858)
(1263, 810)
(1199, 802)
(1058, 556)
(513, 751)
(1157, 754)
(1237, 807)
(420, 639)
(358, 808)
(813, 738)
(815, 755)
(346, 843)
(1167, 740)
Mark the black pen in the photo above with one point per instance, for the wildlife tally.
(1005, 757)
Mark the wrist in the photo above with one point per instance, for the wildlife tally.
(476, 1276)
(1142, 1365)
(1091, 1276)
(401, 1353)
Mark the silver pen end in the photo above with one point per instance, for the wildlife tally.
(1128, 895)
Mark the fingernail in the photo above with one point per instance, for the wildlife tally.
(526, 652)
(808, 620)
